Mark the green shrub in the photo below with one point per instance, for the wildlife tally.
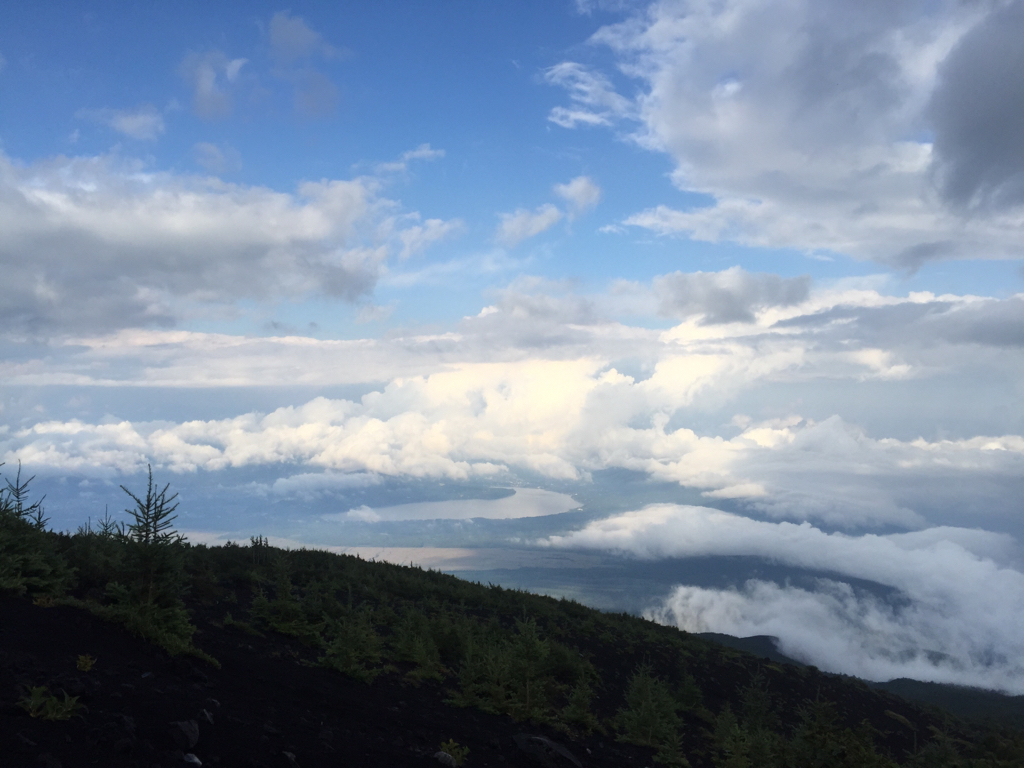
(688, 694)
(141, 567)
(529, 681)
(97, 554)
(733, 743)
(756, 703)
(243, 626)
(166, 625)
(15, 499)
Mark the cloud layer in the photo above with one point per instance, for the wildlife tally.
(954, 615)
(537, 382)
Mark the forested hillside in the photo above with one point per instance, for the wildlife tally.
(123, 644)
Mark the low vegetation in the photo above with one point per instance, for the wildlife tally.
(535, 659)
(39, 702)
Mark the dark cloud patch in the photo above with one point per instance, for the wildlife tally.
(993, 323)
(978, 114)
(731, 296)
(840, 79)
(917, 325)
(895, 318)
(916, 256)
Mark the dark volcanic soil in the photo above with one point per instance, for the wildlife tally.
(262, 708)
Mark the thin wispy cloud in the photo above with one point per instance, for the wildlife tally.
(419, 236)
(145, 123)
(292, 39)
(215, 159)
(294, 47)
(581, 194)
(594, 100)
(523, 224)
(211, 75)
(422, 152)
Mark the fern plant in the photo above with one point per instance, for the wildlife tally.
(42, 704)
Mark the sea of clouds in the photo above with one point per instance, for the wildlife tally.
(953, 615)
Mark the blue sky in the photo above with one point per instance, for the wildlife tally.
(699, 279)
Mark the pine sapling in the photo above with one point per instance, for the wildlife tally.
(14, 498)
